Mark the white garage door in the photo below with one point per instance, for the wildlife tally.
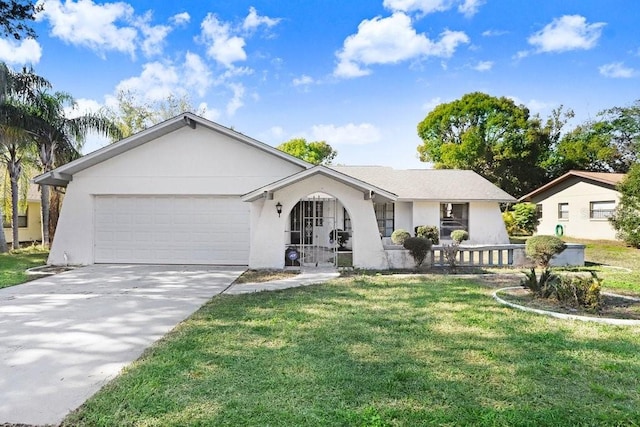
(171, 230)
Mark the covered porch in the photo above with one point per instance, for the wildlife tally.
(314, 219)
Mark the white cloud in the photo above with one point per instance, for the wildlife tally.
(85, 23)
(470, 7)
(467, 7)
(157, 81)
(83, 106)
(483, 66)
(352, 134)
(303, 80)
(617, 70)
(494, 33)
(253, 20)
(422, 6)
(23, 52)
(180, 19)
(224, 47)
(197, 75)
(569, 32)
(154, 35)
(236, 101)
(431, 104)
(390, 40)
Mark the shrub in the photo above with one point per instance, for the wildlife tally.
(542, 248)
(459, 236)
(525, 216)
(451, 255)
(540, 288)
(510, 223)
(430, 232)
(418, 247)
(579, 292)
(399, 236)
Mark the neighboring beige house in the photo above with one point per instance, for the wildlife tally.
(189, 191)
(578, 204)
(29, 220)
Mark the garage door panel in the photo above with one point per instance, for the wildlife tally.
(171, 229)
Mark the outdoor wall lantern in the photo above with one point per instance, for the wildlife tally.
(279, 208)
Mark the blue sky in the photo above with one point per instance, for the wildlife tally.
(357, 74)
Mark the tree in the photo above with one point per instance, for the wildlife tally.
(587, 147)
(13, 13)
(622, 125)
(17, 92)
(132, 115)
(59, 138)
(626, 217)
(491, 136)
(315, 152)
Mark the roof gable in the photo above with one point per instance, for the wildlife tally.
(64, 174)
(319, 170)
(604, 179)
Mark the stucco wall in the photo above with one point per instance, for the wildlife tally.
(185, 162)
(33, 231)
(403, 216)
(578, 194)
(268, 230)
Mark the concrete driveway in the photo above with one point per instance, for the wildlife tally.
(65, 336)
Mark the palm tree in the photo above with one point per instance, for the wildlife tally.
(60, 138)
(16, 91)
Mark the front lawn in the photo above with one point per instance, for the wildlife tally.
(376, 351)
(13, 265)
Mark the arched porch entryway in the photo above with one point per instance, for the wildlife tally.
(318, 233)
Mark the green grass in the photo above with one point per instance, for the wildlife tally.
(14, 264)
(376, 351)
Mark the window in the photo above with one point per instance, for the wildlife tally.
(347, 221)
(563, 210)
(601, 210)
(453, 216)
(539, 211)
(22, 220)
(384, 216)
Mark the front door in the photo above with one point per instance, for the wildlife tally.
(312, 221)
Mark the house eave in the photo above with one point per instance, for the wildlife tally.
(368, 190)
(184, 120)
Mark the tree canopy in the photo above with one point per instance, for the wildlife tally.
(492, 136)
(626, 217)
(315, 152)
(15, 16)
(132, 114)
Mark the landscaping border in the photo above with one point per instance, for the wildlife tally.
(606, 320)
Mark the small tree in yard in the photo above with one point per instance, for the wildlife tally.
(418, 247)
(542, 248)
(626, 217)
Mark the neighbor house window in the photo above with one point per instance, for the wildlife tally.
(453, 216)
(539, 211)
(385, 218)
(563, 210)
(601, 210)
(22, 220)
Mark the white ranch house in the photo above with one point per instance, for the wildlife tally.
(189, 191)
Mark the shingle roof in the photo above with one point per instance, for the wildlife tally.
(607, 178)
(429, 184)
